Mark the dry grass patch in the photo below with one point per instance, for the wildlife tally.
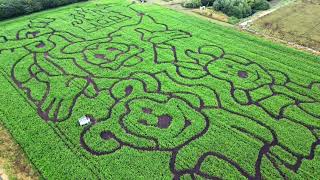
(13, 163)
(298, 23)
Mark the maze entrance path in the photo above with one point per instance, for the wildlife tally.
(174, 98)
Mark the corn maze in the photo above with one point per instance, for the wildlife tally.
(165, 102)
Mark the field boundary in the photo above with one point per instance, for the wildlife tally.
(247, 26)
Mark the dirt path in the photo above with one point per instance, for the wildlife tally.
(13, 163)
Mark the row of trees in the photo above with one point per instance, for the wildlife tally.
(235, 8)
(12, 8)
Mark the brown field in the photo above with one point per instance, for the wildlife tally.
(298, 23)
(13, 163)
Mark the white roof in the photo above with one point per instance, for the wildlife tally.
(84, 121)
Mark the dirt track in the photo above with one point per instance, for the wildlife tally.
(13, 163)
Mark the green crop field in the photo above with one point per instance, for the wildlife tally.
(168, 96)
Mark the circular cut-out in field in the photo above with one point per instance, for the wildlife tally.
(243, 74)
(187, 123)
(147, 110)
(143, 122)
(106, 135)
(41, 45)
(128, 90)
(99, 56)
(112, 49)
(164, 121)
(34, 34)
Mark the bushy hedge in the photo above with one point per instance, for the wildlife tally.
(236, 8)
(232, 8)
(207, 2)
(240, 8)
(12, 8)
(197, 3)
(192, 4)
(258, 5)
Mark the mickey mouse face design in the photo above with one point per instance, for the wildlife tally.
(241, 73)
(112, 55)
(145, 121)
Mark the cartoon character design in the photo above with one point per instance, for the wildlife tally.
(253, 84)
(91, 20)
(155, 121)
(59, 68)
(271, 93)
(52, 53)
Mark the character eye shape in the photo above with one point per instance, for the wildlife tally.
(243, 74)
(99, 56)
(40, 45)
(3, 39)
(143, 122)
(32, 34)
(164, 121)
(111, 49)
(128, 90)
(106, 135)
(147, 110)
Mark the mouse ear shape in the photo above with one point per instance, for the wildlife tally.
(316, 87)
(99, 140)
(190, 70)
(315, 90)
(228, 169)
(241, 96)
(214, 51)
(279, 77)
(3, 39)
(206, 53)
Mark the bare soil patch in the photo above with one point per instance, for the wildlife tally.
(13, 163)
(297, 23)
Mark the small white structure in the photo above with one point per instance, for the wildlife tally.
(84, 121)
(202, 8)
